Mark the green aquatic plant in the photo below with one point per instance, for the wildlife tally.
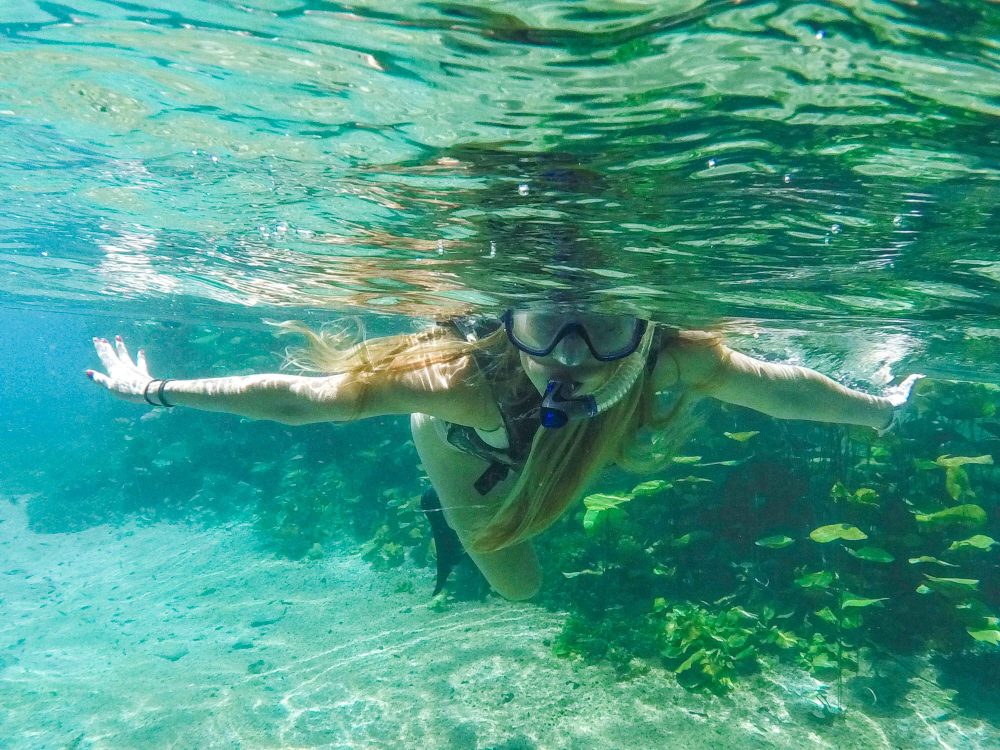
(864, 496)
(835, 531)
(820, 579)
(953, 588)
(603, 510)
(957, 481)
(299, 517)
(706, 649)
(776, 541)
(967, 515)
(977, 542)
(741, 437)
(404, 533)
(928, 559)
(871, 554)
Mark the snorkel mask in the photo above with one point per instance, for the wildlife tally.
(608, 338)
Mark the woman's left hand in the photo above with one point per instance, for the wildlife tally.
(126, 379)
(903, 408)
(900, 394)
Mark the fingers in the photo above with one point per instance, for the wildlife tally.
(121, 351)
(99, 378)
(118, 356)
(106, 354)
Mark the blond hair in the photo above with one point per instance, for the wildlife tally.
(560, 462)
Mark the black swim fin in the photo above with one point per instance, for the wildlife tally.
(449, 549)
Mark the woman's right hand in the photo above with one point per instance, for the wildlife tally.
(126, 379)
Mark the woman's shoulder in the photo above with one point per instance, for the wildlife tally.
(688, 358)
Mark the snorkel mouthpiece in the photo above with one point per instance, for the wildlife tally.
(559, 406)
(558, 410)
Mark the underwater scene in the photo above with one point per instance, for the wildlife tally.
(817, 184)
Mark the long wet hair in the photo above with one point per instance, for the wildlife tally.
(631, 433)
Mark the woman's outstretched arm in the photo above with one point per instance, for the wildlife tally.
(782, 391)
(294, 399)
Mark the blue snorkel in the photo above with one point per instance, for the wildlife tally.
(558, 410)
(560, 407)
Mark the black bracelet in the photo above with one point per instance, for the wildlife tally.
(159, 394)
(145, 394)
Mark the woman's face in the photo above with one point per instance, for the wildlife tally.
(571, 360)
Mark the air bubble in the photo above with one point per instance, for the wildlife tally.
(522, 189)
(711, 163)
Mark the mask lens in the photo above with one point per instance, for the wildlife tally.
(610, 335)
(607, 336)
(534, 331)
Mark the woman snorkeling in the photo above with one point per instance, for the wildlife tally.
(513, 417)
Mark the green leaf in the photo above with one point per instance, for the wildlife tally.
(839, 492)
(686, 540)
(861, 496)
(950, 587)
(979, 541)
(601, 501)
(741, 437)
(968, 582)
(960, 515)
(781, 639)
(827, 614)
(851, 600)
(865, 496)
(987, 636)
(778, 541)
(836, 531)
(823, 661)
(653, 487)
(871, 554)
(956, 482)
(948, 462)
(690, 661)
(602, 508)
(927, 559)
(594, 519)
(818, 580)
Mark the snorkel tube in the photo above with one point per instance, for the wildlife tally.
(560, 406)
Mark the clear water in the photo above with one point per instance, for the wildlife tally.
(820, 180)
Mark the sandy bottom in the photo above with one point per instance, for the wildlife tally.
(173, 637)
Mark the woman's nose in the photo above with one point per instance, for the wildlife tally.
(571, 351)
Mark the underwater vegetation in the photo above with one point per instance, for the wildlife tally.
(810, 545)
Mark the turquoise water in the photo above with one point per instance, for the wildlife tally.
(818, 180)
